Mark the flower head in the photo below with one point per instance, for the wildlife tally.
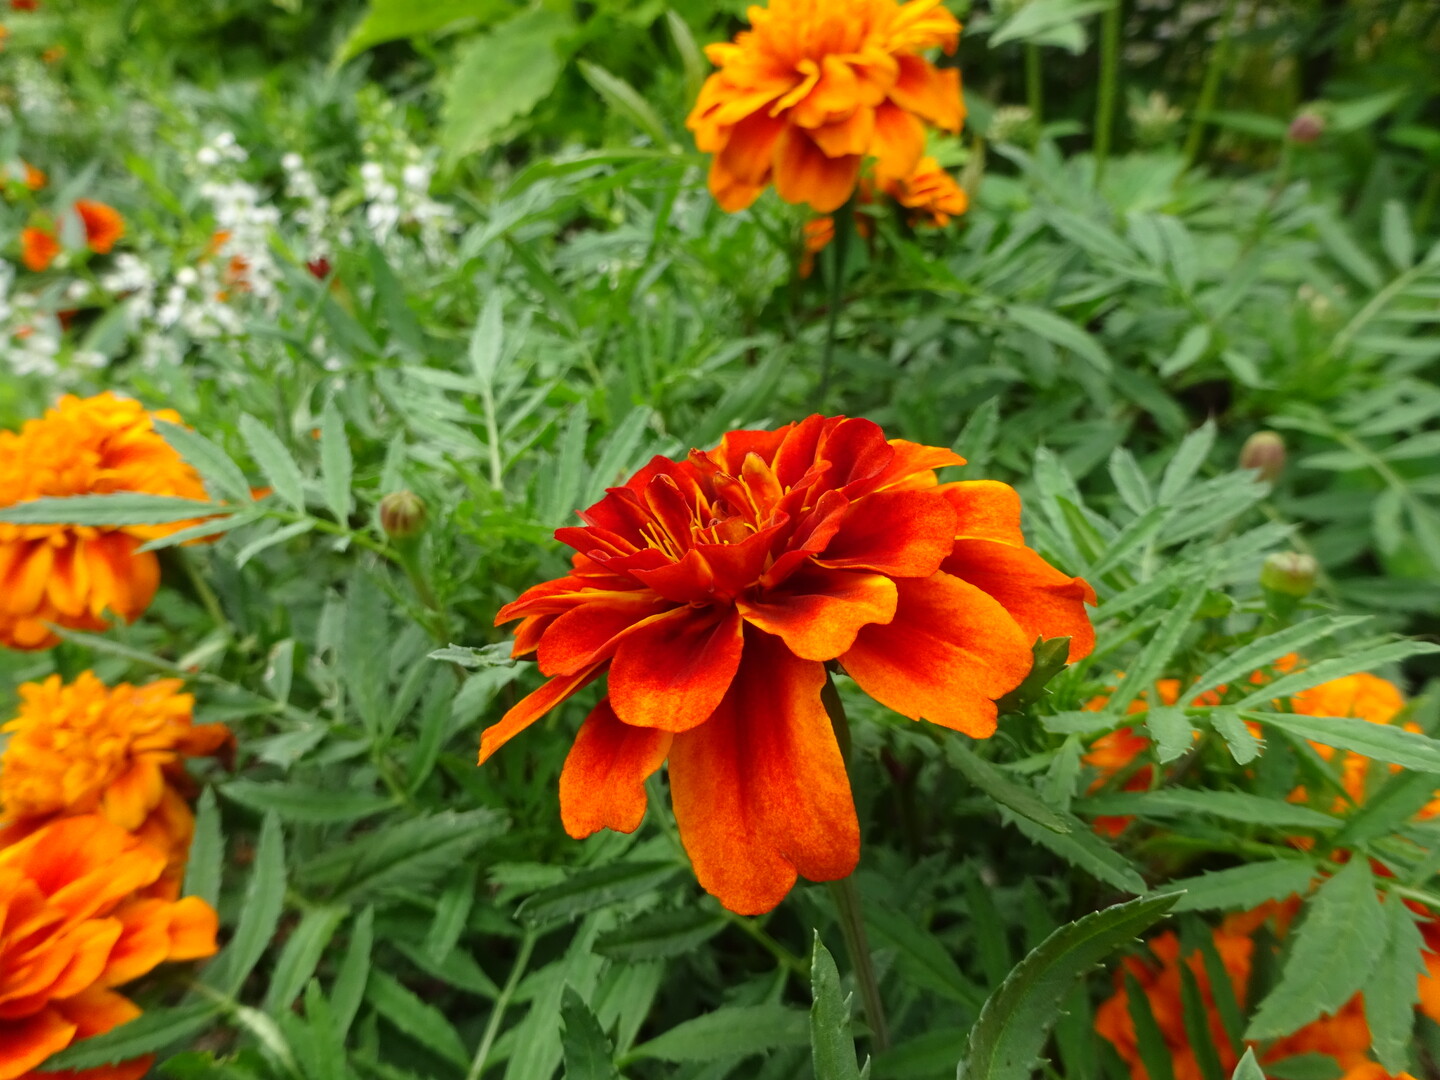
(74, 927)
(930, 193)
(815, 87)
(38, 248)
(73, 575)
(714, 590)
(103, 225)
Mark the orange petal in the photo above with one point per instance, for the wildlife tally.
(899, 142)
(818, 611)
(27, 1042)
(988, 510)
(849, 136)
(950, 651)
(531, 708)
(750, 149)
(603, 783)
(930, 93)
(672, 673)
(803, 174)
(130, 799)
(144, 941)
(900, 533)
(587, 634)
(193, 926)
(1045, 602)
(760, 790)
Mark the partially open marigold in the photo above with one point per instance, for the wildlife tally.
(73, 927)
(118, 751)
(714, 591)
(72, 575)
(814, 88)
(38, 248)
(103, 225)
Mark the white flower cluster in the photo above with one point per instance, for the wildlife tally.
(393, 199)
(314, 211)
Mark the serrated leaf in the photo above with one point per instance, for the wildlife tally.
(1230, 805)
(1049, 658)
(409, 855)
(1335, 668)
(1263, 651)
(153, 1030)
(207, 852)
(732, 1032)
(222, 476)
(487, 341)
(1249, 1068)
(276, 465)
(1008, 793)
(122, 509)
(1396, 236)
(1155, 657)
(348, 989)
(1392, 989)
(337, 465)
(832, 1050)
(1186, 462)
(260, 913)
(1170, 731)
(1399, 799)
(1059, 330)
(301, 956)
(1243, 744)
(1015, 1022)
(660, 934)
(300, 802)
(272, 539)
(451, 912)
(919, 954)
(1084, 849)
(389, 20)
(588, 1053)
(1382, 742)
(594, 888)
(1337, 946)
(424, 1023)
(1244, 886)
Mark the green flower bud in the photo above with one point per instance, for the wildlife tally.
(1265, 452)
(1289, 573)
(402, 515)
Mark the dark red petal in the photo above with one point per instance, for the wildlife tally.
(672, 672)
(588, 634)
(901, 533)
(819, 611)
(531, 708)
(689, 581)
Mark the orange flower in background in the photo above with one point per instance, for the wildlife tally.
(814, 88)
(73, 575)
(714, 590)
(1344, 1037)
(72, 928)
(24, 5)
(103, 225)
(930, 192)
(117, 751)
(38, 248)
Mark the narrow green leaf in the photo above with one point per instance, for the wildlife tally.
(1244, 886)
(622, 98)
(1338, 667)
(1186, 462)
(832, 1050)
(1263, 651)
(1230, 805)
(300, 802)
(732, 1032)
(1196, 1018)
(301, 956)
(487, 342)
(1243, 745)
(1015, 1023)
(1401, 797)
(275, 462)
(337, 465)
(123, 509)
(1158, 652)
(349, 987)
(424, 1023)
(1150, 1041)
(222, 476)
(271, 539)
(1397, 238)
(594, 888)
(153, 1030)
(588, 1053)
(451, 912)
(1082, 848)
(660, 934)
(1059, 330)
(919, 955)
(1018, 797)
(1393, 989)
(1337, 946)
(260, 913)
(1170, 730)
(1379, 741)
(207, 852)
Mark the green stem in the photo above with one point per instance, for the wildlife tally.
(492, 1029)
(1109, 82)
(838, 260)
(847, 900)
(1034, 87)
(207, 596)
(797, 966)
(1429, 200)
(1210, 87)
(852, 925)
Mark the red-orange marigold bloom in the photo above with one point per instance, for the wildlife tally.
(814, 87)
(117, 751)
(24, 5)
(103, 225)
(930, 192)
(714, 589)
(38, 248)
(72, 575)
(72, 927)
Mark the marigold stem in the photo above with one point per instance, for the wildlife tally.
(492, 1029)
(838, 260)
(1034, 86)
(1109, 81)
(1210, 87)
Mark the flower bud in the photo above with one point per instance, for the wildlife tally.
(1307, 127)
(1289, 573)
(1265, 452)
(402, 515)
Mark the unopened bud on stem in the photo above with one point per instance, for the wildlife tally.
(1289, 573)
(1307, 127)
(1265, 452)
(402, 515)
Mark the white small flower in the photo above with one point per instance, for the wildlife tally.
(417, 177)
(292, 162)
(208, 156)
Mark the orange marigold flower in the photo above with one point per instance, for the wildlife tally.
(103, 225)
(73, 929)
(815, 87)
(38, 248)
(73, 575)
(117, 751)
(930, 192)
(1344, 1037)
(24, 5)
(714, 590)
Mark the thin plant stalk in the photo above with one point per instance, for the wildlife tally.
(1210, 86)
(839, 255)
(1109, 83)
(1034, 86)
(497, 1014)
